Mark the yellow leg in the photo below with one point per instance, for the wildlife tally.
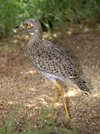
(61, 90)
(54, 101)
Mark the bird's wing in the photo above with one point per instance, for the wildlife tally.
(48, 58)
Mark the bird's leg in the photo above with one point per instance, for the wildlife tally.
(54, 101)
(61, 90)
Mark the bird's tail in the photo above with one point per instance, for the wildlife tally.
(81, 84)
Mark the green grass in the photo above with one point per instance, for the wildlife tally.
(44, 128)
(49, 12)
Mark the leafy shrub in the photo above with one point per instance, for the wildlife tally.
(49, 12)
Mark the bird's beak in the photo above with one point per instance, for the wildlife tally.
(20, 26)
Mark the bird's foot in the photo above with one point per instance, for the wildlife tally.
(66, 123)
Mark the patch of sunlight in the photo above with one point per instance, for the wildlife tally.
(32, 89)
(71, 93)
(95, 95)
(31, 72)
(10, 102)
(15, 41)
(55, 35)
(44, 102)
(42, 99)
(30, 105)
(58, 104)
(69, 32)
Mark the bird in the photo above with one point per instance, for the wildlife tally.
(50, 60)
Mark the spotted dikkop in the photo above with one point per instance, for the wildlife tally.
(50, 60)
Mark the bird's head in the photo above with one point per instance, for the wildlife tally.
(32, 26)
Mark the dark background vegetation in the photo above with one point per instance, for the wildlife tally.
(49, 12)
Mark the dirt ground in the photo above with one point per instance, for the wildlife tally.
(21, 85)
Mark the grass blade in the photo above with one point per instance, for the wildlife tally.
(11, 121)
(74, 129)
(43, 118)
(65, 130)
(1, 131)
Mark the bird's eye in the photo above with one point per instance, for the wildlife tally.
(27, 25)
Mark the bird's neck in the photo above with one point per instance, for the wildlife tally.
(35, 40)
(35, 36)
(33, 44)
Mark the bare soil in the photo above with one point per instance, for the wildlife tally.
(21, 85)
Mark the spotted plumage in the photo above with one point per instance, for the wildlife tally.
(49, 59)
